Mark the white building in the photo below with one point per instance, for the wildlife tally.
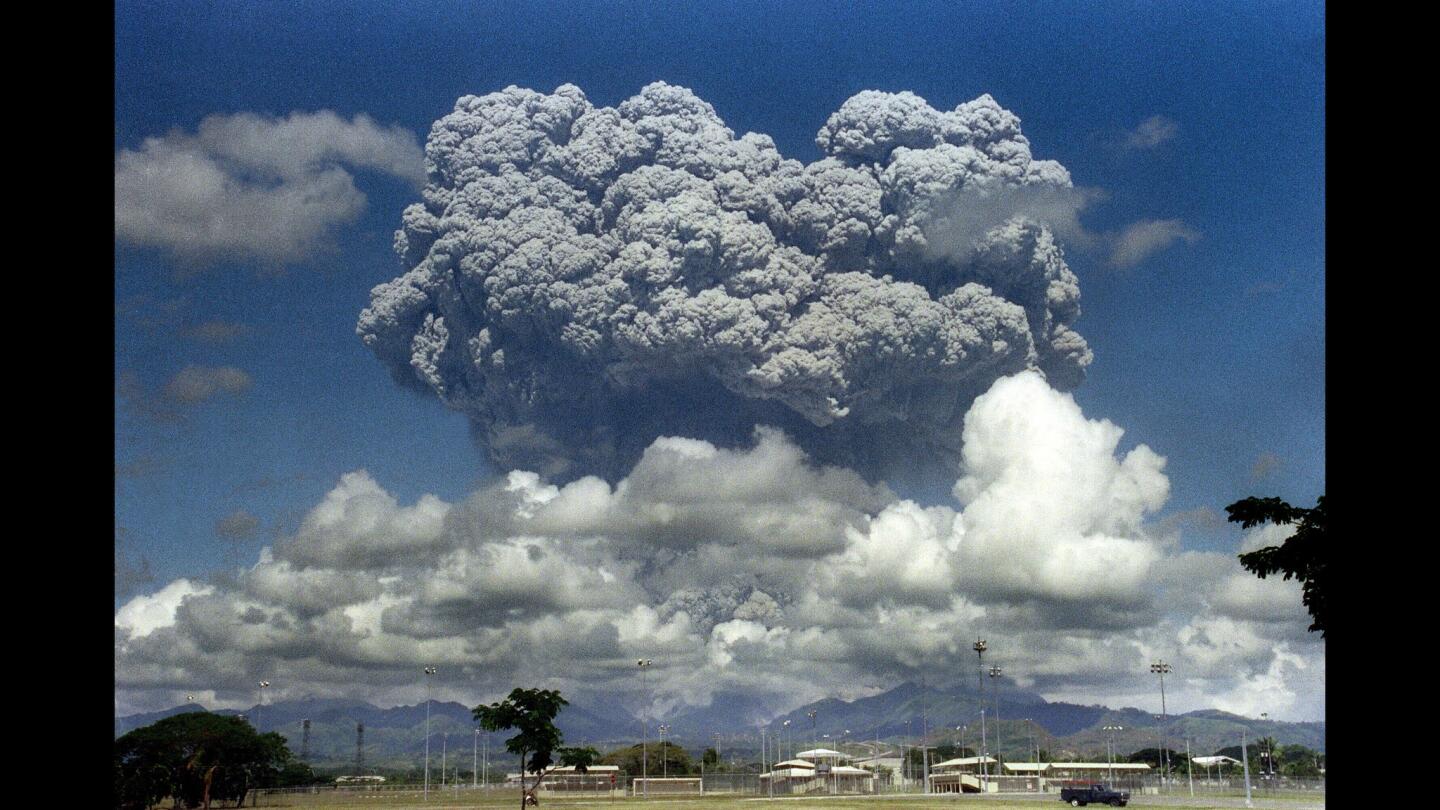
(819, 770)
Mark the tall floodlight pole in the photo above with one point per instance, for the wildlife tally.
(1189, 768)
(644, 664)
(263, 686)
(999, 749)
(1161, 668)
(1111, 748)
(1269, 752)
(664, 762)
(984, 752)
(475, 760)
(979, 647)
(444, 756)
(764, 761)
(786, 728)
(1245, 758)
(429, 672)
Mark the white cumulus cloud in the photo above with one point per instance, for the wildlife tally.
(250, 186)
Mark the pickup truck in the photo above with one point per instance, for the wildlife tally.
(1093, 794)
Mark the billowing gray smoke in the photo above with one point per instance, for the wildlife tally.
(582, 280)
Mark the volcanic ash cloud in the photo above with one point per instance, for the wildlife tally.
(581, 280)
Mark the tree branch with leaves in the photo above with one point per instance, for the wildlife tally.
(1304, 556)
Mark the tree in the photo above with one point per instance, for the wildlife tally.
(532, 712)
(1304, 556)
(195, 758)
(670, 759)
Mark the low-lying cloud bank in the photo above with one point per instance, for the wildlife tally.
(751, 569)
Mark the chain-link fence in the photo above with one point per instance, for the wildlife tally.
(750, 784)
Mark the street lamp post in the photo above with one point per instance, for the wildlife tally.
(1162, 669)
(644, 664)
(664, 762)
(786, 743)
(814, 740)
(263, 686)
(475, 760)
(429, 672)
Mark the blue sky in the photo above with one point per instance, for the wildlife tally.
(1210, 350)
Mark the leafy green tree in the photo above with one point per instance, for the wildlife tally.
(1299, 762)
(711, 758)
(1157, 757)
(532, 712)
(1305, 556)
(196, 758)
(670, 758)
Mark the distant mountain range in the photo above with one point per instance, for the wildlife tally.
(395, 737)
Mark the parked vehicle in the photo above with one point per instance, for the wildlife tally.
(1093, 794)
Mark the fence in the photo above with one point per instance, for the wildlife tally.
(750, 784)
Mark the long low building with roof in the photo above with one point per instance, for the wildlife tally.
(984, 774)
(568, 779)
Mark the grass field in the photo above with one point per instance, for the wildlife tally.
(510, 800)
